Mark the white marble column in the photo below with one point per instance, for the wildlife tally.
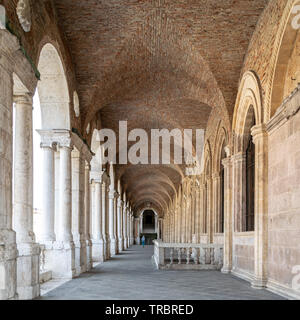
(116, 235)
(132, 230)
(138, 234)
(64, 261)
(28, 286)
(112, 238)
(8, 263)
(119, 220)
(47, 234)
(98, 243)
(87, 215)
(125, 224)
(128, 227)
(78, 167)
(105, 220)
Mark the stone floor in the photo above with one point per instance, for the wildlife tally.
(132, 276)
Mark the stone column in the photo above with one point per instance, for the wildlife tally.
(183, 220)
(116, 234)
(188, 218)
(112, 238)
(197, 214)
(209, 210)
(228, 223)
(8, 256)
(216, 197)
(260, 139)
(64, 262)
(128, 228)
(98, 251)
(125, 226)
(28, 286)
(239, 190)
(78, 182)
(120, 233)
(202, 208)
(105, 233)
(138, 234)
(87, 216)
(47, 234)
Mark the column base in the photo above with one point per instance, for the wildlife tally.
(28, 271)
(226, 270)
(89, 255)
(61, 260)
(259, 283)
(113, 247)
(8, 265)
(98, 251)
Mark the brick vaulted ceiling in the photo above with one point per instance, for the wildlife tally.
(157, 64)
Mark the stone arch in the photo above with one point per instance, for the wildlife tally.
(280, 44)
(248, 100)
(221, 140)
(53, 90)
(286, 67)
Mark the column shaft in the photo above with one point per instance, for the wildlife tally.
(28, 286)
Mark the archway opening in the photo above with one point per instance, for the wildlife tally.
(149, 226)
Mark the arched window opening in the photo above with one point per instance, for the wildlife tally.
(222, 190)
(250, 185)
(248, 221)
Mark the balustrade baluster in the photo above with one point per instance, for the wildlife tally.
(188, 255)
(179, 256)
(171, 255)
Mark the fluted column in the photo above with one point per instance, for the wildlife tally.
(260, 139)
(98, 243)
(228, 225)
(28, 285)
(87, 216)
(119, 221)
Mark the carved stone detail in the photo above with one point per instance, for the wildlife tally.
(24, 14)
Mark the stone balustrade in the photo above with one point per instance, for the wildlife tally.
(187, 256)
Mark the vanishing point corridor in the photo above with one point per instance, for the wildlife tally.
(131, 275)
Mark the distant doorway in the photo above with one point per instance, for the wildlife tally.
(149, 229)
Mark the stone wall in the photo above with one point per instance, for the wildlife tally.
(284, 193)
